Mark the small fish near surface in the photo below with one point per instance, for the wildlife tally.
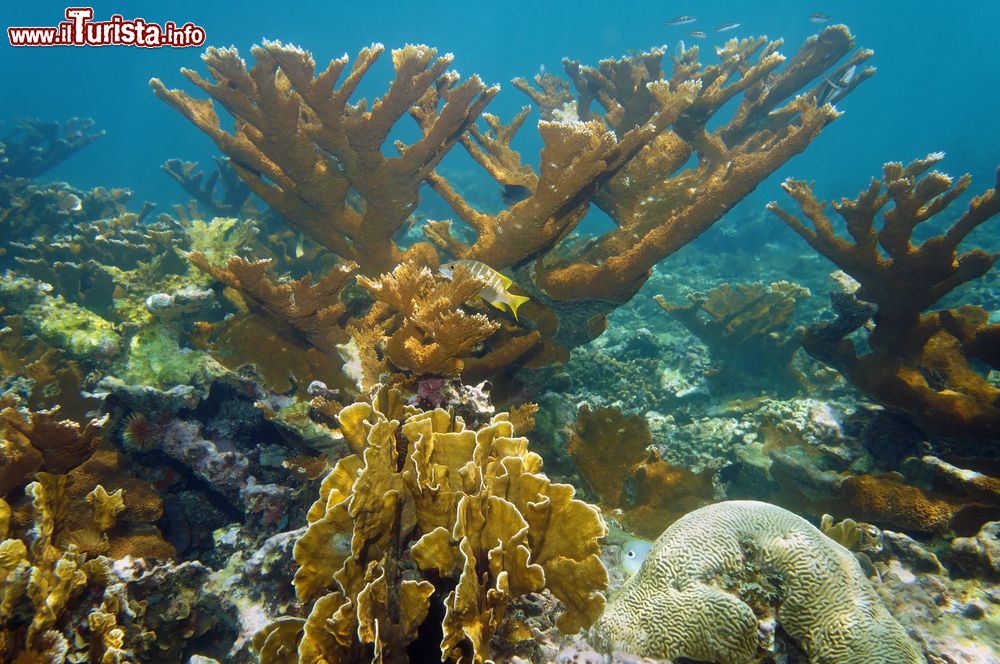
(697, 34)
(680, 20)
(497, 290)
(817, 17)
(725, 27)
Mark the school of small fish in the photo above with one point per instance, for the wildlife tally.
(685, 19)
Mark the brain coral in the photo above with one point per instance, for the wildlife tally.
(717, 578)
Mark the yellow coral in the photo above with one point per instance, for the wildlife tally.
(50, 574)
(106, 506)
(481, 523)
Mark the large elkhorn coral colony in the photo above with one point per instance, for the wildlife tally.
(621, 139)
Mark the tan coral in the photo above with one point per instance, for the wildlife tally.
(317, 159)
(907, 278)
(57, 380)
(932, 497)
(301, 321)
(614, 455)
(918, 363)
(419, 325)
(480, 523)
(37, 440)
(714, 580)
(312, 309)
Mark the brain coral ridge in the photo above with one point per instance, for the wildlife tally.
(716, 578)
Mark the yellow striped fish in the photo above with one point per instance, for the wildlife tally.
(497, 290)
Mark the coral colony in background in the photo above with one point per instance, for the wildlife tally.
(297, 421)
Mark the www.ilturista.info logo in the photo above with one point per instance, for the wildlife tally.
(79, 29)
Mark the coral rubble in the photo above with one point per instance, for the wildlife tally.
(919, 363)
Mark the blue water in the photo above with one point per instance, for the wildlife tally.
(936, 87)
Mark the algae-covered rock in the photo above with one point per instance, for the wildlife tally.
(979, 555)
(718, 579)
(156, 359)
(65, 325)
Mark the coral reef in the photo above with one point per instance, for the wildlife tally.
(720, 580)
(951, 617)
(428, 518)
(30, 211)
(919, 363)
(90, 261)
(188, 472)
(746, 329)
(67, 326)
(241, 459)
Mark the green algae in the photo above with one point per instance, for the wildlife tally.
(156, 359)
(62, 324)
